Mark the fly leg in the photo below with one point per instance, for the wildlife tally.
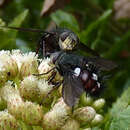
(45, 73)
(57, 85)
(43, 49)
(42, 44)
(50, 81)
(52, 77)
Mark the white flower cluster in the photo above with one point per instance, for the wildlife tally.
(29, 100)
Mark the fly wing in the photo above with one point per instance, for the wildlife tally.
(72, 89)
(85, 48)
(102, 63)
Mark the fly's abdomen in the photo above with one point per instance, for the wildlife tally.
(90, 82)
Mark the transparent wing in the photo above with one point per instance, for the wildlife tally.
(72, 89)
(102, 63)
(85, 48)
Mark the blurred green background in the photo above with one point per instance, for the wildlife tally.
(101, 24)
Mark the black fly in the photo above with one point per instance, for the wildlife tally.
(59, 39)
(80, 74)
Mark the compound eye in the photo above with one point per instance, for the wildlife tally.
(64, 36)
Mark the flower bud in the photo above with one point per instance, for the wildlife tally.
(3, 75)
(8, 66)
(45, 66)
(98, 104)
(71, 124)
(56, 118)
(44, 89)
(87, 129)
(3, 104)
(97, 120)
(17, 55)
(15, 109)
(84, 114)
(29, 88)
(28, 65)
(32, 114)
(9, 92)
(7, 121)
(28, 112)
(13, 99)
(33, 89)
(86, 100)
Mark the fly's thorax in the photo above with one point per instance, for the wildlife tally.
(55, 57)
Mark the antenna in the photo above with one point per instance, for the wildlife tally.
(25, 29)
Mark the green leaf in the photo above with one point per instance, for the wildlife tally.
(37, 128)
(122, 120)
(64, 19)
(118, 46)
(121, 102)
(88, 33)
(17, 22)
(97, 40)
(96, 128)
(8, 36)
(19, 19)
(118, 109)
